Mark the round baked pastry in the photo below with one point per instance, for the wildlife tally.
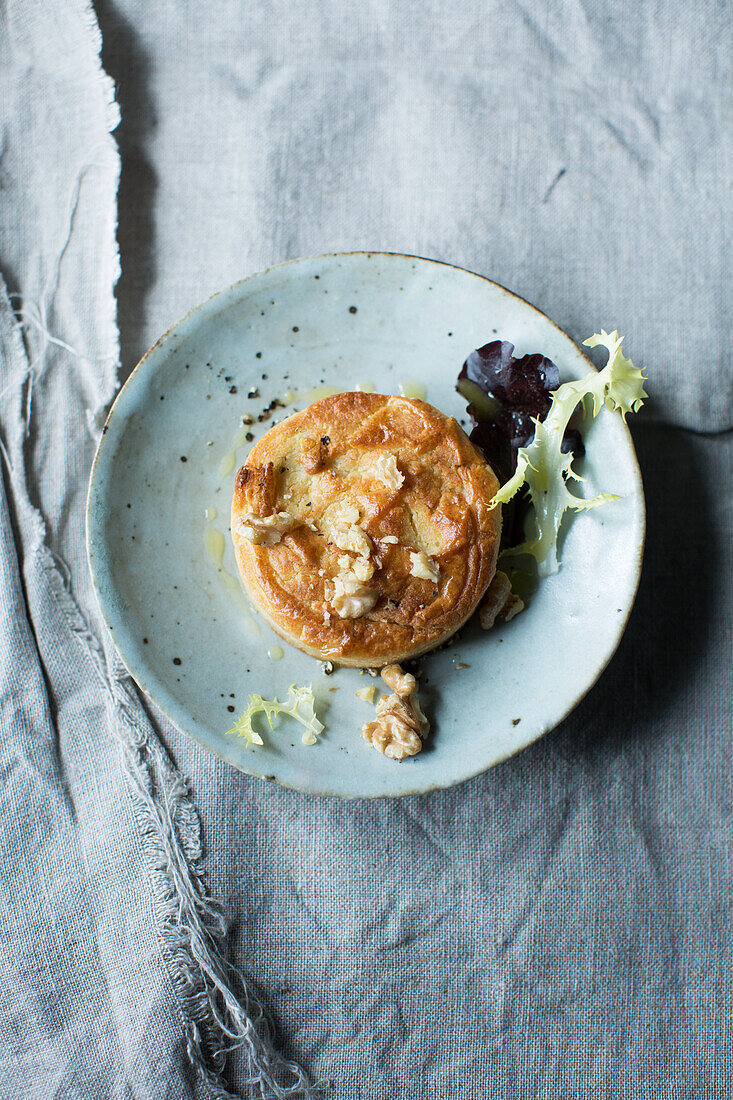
(363, 529)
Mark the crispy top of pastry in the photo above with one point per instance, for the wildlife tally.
(362, 528)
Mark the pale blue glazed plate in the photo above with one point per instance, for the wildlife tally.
(168, 455)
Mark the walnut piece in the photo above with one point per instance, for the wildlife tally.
(512, 607)
(363, 569)
(398, 729)
(352, 537)
(314, 455)
(256, 489)
(385, 469)
(265, 530)
(423, 566)
(402, 683)
(500, 600)
(400, 726)
(343, 511)
(351, 599)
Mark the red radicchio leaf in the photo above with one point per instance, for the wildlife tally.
(505, 394)
(521, 386)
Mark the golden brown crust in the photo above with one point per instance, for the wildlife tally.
(331, 468)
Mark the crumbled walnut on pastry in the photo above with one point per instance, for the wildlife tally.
(265, 530)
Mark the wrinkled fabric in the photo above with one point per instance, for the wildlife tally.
(577, 152)
(560, 926)
(114, 984)
(87, 1006)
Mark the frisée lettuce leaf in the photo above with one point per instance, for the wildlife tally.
(545, 470)
(300, 705)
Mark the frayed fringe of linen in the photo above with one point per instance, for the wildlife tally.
(219, 1012)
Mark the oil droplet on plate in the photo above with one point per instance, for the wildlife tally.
(227, 464)
(413, 389)
(365, 387)
(241, 438)
(211, 513)
(234, 589)
(214, 541)
(275, 653)
(321, 391)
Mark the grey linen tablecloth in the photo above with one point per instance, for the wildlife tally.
(560, 927)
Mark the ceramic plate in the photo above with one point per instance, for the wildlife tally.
(158, 508)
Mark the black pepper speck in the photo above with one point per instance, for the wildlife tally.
(183, 458)
(232, 389)
(177, 661)
(352, 309)
(230, 708)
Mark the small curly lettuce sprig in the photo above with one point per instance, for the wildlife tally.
(300, 705)
(543, 467)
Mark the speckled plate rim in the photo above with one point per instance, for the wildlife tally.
(156, 691)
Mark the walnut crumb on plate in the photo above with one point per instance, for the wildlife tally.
(500, 600)
(400, 726)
